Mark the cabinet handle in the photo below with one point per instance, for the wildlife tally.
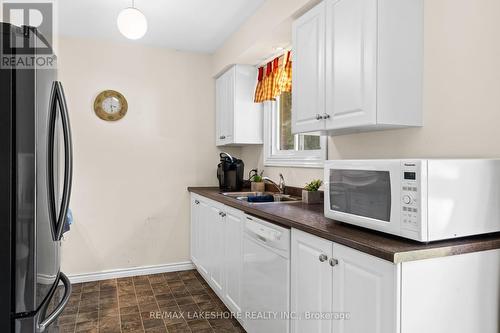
(334, 262)
(326, 116)
(197, 202)
(323, 257)
(222, 137)
(319, 117)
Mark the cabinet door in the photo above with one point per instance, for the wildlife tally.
(219, 106)
(308, 97)
(311, 282)
(203, 223)
(233, 241)
(364, 287)
(216, 243)
(195, 232)
(351, 57)
(224, 106)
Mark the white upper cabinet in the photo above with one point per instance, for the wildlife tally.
(308, 68)
(351, 55)
(238, 118)
(372, 62)
(224, 105)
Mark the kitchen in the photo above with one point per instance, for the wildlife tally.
(136, 226)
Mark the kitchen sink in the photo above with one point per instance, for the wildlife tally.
(277, 197)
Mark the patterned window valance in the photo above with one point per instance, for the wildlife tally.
(274, 79)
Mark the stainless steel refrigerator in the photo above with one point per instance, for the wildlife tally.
(35, 187)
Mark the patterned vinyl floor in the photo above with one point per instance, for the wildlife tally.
(168, 302)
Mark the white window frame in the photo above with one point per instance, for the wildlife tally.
(273, 156)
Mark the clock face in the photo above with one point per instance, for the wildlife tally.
(110, 105)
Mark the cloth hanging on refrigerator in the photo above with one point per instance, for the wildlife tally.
(68, 222)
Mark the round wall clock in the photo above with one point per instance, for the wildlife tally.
(110, 105)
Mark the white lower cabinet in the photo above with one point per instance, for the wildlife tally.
(200, 244)
(311, 282)
(338, 289)
(216, 248)
(364, 287)
(216, 225)
(233, 256)
(195, 241)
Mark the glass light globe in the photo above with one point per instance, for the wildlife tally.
(132, 23)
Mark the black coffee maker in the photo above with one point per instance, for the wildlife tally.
(230, 173)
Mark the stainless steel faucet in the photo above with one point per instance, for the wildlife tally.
(280, 186)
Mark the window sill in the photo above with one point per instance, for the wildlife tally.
(294, 163)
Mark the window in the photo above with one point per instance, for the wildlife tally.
(281, 147)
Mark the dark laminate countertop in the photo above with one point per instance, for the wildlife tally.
(310, 218)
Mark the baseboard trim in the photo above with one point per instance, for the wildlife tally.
(135, 271)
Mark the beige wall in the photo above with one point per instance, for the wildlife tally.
(264, 30)
(129, 200)
(461, 94)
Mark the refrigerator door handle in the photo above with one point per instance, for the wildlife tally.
(50, 162)
(58, 99)
(68, 159)
(41, 327)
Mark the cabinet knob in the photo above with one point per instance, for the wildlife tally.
(222, 137)
(319, 117)
(326, 116)
(197, 202)
(334, 262)
(222, 214)
(323, 257)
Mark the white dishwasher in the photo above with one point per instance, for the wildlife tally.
(266, 277)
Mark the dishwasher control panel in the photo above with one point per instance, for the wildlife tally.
(274, 236)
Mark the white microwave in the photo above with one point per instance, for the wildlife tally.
(423, 200)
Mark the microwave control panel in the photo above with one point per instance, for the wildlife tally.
(410, 194)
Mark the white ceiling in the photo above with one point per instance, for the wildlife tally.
(190, 25)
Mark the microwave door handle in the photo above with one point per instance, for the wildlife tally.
(68, 159)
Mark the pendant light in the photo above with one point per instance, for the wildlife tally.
(132, 23)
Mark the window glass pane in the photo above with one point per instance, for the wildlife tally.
(309, 142)
(286, 138)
